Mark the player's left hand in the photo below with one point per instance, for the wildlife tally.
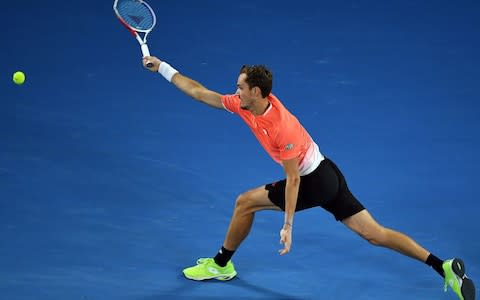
(285, 239)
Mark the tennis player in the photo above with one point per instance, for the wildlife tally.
(311, 180)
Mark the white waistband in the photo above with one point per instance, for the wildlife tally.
(311, 160)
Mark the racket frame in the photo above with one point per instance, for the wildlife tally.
(134, 31)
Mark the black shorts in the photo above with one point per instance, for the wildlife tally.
(325, 187)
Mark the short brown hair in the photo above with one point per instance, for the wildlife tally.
(260, 76)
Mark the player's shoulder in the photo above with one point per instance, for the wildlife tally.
(231, 102)
(274, 99)
(277, 103)
(233, 97)
(282, 113)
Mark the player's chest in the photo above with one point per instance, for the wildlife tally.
(263, 131)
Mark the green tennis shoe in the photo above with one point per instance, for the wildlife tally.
(206, 268)
(455, 277)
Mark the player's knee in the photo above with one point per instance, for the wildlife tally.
(376, 236)
(243, 202)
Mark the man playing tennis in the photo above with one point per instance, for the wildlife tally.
(311, 180)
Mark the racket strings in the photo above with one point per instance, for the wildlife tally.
(136, 14)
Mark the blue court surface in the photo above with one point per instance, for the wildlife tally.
(112, 181)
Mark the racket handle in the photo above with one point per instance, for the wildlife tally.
(146, 52)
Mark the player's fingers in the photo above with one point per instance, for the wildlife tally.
(149, 65)
(146, 60)
(284, 251)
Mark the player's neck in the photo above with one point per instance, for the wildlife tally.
(260, 107)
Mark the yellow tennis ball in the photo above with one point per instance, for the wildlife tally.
(19, 77)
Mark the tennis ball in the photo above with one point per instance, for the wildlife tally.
(19, 77)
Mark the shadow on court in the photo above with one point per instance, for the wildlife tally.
(185, 290)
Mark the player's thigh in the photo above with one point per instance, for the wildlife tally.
(256, 199)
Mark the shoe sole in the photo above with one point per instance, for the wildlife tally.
(468, 288)
(221, 277)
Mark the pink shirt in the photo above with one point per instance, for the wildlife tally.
(279, 132)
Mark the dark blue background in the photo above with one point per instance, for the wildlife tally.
(112, 181)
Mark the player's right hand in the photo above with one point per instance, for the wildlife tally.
(285, 239)
(151, 59)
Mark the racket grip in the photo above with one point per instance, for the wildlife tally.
(146, 52)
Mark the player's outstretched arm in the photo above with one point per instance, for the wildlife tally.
(187, 85)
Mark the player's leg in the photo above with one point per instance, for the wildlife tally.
(364, 225)
(220, 267)
(242, 219)
(453, 270)
(347, 209)
(316, 188)
(351, 212)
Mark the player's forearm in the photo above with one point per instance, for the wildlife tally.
(291, 195)
(188, 85)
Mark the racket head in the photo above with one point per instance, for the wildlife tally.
(136, 15)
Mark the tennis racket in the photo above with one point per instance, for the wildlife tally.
(138, 17)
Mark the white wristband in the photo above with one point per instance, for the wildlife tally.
(167, 71)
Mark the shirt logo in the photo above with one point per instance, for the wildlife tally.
(289, 147)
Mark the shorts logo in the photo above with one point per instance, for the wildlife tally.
(289, 147)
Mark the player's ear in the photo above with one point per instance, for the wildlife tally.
(257, 92)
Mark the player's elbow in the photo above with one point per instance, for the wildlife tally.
(197, 93)
(201, 94)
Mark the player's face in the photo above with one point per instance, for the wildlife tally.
(244, 92)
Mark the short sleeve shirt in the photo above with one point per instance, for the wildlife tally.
(278, 131)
